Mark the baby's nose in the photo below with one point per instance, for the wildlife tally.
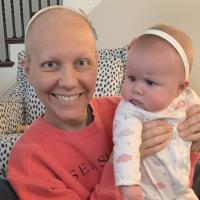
(138, 89)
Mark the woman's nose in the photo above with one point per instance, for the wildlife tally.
(68, 77)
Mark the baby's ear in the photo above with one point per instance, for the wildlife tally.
(182, 87)
(131, 43)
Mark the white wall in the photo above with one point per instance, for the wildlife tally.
(86, 5)
(117, 22)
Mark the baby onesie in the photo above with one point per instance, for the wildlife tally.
(164, 175)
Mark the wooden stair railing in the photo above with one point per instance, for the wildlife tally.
(15, 39)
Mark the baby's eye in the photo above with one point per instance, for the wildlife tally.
(150, 82)
(131, 78)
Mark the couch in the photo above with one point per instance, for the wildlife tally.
(21, 106)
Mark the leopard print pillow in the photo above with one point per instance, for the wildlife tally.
(11, 115)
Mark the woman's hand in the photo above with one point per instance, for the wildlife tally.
(189, 129)
(155, 135)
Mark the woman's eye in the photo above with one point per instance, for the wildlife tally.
(150, 82)
(82, 62)
(49, 65)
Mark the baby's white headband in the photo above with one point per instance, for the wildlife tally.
(175, 44)
(79, 11)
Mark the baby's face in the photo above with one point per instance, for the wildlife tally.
(62, 69)
(154, 75)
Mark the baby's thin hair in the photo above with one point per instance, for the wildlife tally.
(182, 38)
(178, 39)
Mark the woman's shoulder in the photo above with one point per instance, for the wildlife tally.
(34, 134)
(105, 103)
(104, 109)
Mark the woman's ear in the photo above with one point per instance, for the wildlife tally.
(182, 87)
(26, 66)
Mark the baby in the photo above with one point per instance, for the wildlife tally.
(155, 87)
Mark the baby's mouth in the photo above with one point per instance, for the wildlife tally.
(136, 103)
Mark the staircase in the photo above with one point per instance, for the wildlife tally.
(14, 16)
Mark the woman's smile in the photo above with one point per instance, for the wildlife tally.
(67, 98)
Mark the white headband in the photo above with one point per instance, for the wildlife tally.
(175, 44)
(79, 11)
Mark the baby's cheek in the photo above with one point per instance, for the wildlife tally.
(126, 92)
(156, 102)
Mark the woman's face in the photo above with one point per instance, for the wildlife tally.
(63, 69)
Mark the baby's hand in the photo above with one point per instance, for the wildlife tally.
(132, 192)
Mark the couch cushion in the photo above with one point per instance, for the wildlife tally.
(6, 144)
(120, 53)
(109, 77)
(11, 114)
(20, 87)
(32, 105)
